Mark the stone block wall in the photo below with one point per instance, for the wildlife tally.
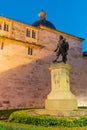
(17, 30)
(25, 79)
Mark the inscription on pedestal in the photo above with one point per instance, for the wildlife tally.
(56, 80)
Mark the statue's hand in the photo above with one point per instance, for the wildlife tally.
(55, 50)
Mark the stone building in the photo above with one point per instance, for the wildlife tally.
(26, 52)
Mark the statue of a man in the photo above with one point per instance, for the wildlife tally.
(62, 49)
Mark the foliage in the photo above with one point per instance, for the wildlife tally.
(16, 126)
(4, 114)
(12, 126)
(82, 107)
(26, 118)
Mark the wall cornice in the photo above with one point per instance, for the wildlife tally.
(61, 33)
(14, 41)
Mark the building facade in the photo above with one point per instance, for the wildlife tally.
(26, 52)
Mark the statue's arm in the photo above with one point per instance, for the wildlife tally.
(56, 48)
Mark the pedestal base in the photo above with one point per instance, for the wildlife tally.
(65, 113)
(60, 98)
(60, 104)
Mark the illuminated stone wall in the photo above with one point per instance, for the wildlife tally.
(16, 30)
(25, 79)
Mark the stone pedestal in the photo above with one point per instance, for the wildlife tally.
(60, 97)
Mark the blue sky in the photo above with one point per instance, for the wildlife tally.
(68, 16)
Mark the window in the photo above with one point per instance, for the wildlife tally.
(33, 34)
(28, 32)
(30, 51)
(2, 46)
(5, 27)
(0, 26)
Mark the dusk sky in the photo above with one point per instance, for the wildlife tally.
(69, 16)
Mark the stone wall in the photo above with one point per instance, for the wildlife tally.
(75, 59)
(25, 79)
(17, 30)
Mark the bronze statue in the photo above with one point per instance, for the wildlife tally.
(62, 49)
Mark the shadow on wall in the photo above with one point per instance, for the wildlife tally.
(28, 85)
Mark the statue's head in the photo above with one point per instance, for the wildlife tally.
(60, 37)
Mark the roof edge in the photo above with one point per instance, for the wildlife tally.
(49, 29)
(61, 33)
(85, 54)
